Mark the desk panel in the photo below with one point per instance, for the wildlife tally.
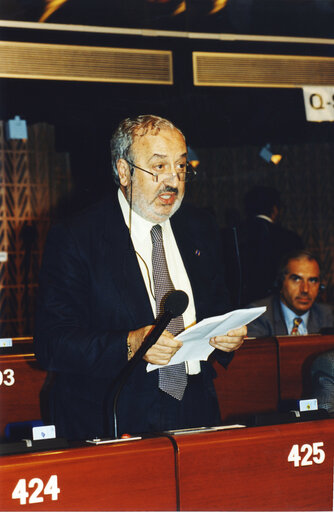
(21, 381)
(248, 469)
(22, 345)
(296, 354)
(133, 475)
(250, 383)
(248, 386)
(281, 467)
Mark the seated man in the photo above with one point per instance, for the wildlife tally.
(293, 310)
(322, 372)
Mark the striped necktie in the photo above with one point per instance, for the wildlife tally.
(296, 323)
(172, 379)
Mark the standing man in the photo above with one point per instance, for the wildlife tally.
(103, 279)
(263, 242)
(293, 309)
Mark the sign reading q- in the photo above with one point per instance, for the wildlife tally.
(319, 103)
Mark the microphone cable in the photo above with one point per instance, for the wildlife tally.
(237, 252)
(130, 239)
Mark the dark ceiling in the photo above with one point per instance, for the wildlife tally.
(302, 18)
(85, 114)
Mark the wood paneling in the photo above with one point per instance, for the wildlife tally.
(296, 354)
(250, 383)
(135, 475)
(30, 191)
(263, 373)
(235, 469)
(248, 469)
(22, 381)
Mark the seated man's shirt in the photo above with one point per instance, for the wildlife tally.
(289, 317)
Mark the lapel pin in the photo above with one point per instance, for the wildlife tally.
(197, 252)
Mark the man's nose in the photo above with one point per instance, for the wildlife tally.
(172, 179)
(304, 286)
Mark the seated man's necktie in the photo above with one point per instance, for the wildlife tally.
(172, 379)
(296, 323)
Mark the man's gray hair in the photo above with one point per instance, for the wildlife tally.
(127, 130)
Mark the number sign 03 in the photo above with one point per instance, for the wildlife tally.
(7, 377)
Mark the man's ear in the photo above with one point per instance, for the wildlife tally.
(123, 172)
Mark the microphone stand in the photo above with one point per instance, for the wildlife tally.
(150, 339)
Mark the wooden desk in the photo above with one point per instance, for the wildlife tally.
(248, 469)
(135, 475)
(23, 345)
(21, 382)
(250, 384)
(237, 469)
(296, 354)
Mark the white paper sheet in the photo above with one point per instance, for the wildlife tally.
(196, 339)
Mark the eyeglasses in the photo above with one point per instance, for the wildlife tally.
(157, 177)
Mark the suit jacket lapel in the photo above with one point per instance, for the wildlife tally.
(278, 318)
(126, 273)
(190, 249)
(313, 324)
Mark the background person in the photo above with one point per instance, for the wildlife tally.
(263, 242)
(293, 310)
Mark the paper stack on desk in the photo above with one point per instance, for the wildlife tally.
(196, 339)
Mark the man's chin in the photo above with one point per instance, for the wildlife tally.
(163, 213)
(301, 309)
(157, 215)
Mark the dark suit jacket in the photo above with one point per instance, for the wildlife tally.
(272, 323)
(322, 372)
(91, 294)
(262, 245)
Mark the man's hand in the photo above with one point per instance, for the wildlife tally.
(161, 352)
(232, 341)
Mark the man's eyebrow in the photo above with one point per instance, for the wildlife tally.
(158, 155)
(301, 277)
(294, 276)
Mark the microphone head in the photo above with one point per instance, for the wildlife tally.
(176, 303)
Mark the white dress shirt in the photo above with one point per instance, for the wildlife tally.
(140, 233)
(265, 217)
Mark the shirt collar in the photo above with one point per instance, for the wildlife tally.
(290, 315)
(265, 217)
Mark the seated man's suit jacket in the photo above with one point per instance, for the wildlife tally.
(322, 372)
(91, 294)
(272, 322)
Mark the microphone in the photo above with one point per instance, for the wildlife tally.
(175, 304)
